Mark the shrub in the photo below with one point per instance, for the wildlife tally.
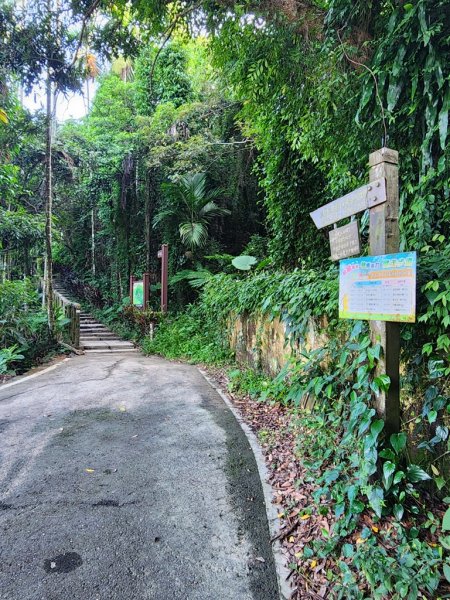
(23, 325)
(191, 337)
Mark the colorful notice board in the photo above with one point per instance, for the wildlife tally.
(378, 288)
(138, 293)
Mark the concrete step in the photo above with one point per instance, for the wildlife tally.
(95, 336)
(107, 345)
(84, 340)
(94, 326)
(111, 351)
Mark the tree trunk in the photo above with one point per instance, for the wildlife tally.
(93, 241)
(49, 203)
(148, 224)
(26, 260)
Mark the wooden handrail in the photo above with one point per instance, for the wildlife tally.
(72, 312)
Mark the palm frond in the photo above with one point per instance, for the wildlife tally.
(162, 215)
(196, 279)
(211, 209)
(193, 234)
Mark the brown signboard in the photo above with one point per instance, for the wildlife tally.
(344, 241)
(367, 196)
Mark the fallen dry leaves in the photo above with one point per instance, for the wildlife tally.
(300, 523)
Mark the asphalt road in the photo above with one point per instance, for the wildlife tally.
(126, 478)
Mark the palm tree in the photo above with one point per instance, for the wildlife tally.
(192, 206)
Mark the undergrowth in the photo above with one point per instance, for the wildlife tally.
(25, 339)
(186, 337)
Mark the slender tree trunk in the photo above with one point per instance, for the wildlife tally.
(148, 225)
(26, 258)
(3, 266)
(49, 202)
(93, 241)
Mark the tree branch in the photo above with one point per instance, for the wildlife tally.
(377, 91)
(95, 4)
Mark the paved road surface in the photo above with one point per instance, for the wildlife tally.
(126, 478)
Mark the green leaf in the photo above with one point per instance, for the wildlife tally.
(423, 25)
(383, 382)
(440, 482)
(398, 477)
(376, 500)
(398, 511)
(443, 119)
(414, 474)
(388, 471)
(388, 454)
(193, 234)
(398, 441)
(243, 263)
(447, 572)
(347, 550)
(432, 416)
(376, 427)
(446, 521)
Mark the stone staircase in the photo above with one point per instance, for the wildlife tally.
(96, 337)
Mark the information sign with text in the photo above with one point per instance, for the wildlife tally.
(378, 288)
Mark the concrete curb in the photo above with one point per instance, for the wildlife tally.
(284, 588)
(22, 378)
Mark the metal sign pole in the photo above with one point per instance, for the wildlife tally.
(384, 236)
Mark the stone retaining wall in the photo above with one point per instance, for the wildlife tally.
(261, 343)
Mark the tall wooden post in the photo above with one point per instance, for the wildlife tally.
(164, 276)
(146, 285)
(384, 236)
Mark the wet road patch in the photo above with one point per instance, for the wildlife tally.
(107, 503)
(63, 563)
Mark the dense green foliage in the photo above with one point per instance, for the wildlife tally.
(24, 335)
(122, 162)
(182, 337)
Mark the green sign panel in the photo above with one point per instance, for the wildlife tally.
(138, 293)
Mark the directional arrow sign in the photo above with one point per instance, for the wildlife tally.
(357, 201)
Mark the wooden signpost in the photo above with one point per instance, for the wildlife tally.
(163, 254)
(381, 197)
(367, 196)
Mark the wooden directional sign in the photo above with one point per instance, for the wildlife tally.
(344, 241)
(367, 196)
